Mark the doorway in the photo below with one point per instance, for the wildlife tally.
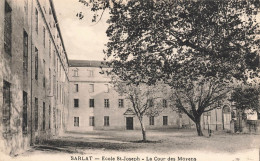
(129, 123)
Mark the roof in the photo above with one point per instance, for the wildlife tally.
(58, 28)
(87, 63)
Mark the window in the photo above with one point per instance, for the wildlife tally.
(75, 73)
(151, 120)
(150, 102)
(54, 118)
(106, 88)
(57, 67)
(25, 51)
(165, 120)
(60, 93)
(43, 116)
(50, 11)
(120, 103)
(36, 114)
(54, 85)
(44, 80)
(76, 87)
(50, 81)
(24, 126)
(60, 70)
(6, 105)
(91, 103)
(36, 64)
(76, 102)
(164, 103)
(36, 21)
(54, 58)
(106, 120)
(90, 73)
(49, 117)
(50, 48)
(106, 103)
(91, 121)
(91, 88)
(8, 29)
(58, 118)
(57, 92)
(43, 32)
(76, 121)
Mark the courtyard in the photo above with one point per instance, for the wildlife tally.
(164, 143)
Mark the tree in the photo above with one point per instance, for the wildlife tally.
(143, 99)
(199, 97)
(185, 44)
(247, 98)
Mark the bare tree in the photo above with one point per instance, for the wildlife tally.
(199, 97)
(143, 98)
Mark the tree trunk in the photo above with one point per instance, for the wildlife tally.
(143, 130)
(198, 126)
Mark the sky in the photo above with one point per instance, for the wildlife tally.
(83, 39)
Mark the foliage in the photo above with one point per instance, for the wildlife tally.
(184, 43)
(181, 40)
(247, 98)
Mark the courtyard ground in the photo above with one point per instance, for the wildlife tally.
(165, 143)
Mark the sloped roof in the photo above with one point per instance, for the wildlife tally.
(87, 63)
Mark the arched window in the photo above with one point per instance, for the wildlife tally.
(226, 109)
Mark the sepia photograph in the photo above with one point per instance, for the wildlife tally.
(129, 80)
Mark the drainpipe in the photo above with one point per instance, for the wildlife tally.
(31, 139)
(223, 122)
(216, 119)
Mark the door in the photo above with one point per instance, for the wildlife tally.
(129, 123)
(227, 119)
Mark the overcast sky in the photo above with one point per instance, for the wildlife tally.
(82, 38)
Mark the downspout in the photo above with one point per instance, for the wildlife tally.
(31, 141)
(216, 119)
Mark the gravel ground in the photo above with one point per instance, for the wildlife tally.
(165, 143)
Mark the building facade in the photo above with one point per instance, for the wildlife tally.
(33, 76)
(95, 105)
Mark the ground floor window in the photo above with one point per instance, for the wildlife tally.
(49, 117)
(106, 120)
(165, 120)
(36, 114)
(91, 121)
(43, 116)
(151, 120)
(6, 106)
(76, 121)
(24, 112)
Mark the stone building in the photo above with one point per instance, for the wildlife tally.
(33, 75)
(95, 105)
